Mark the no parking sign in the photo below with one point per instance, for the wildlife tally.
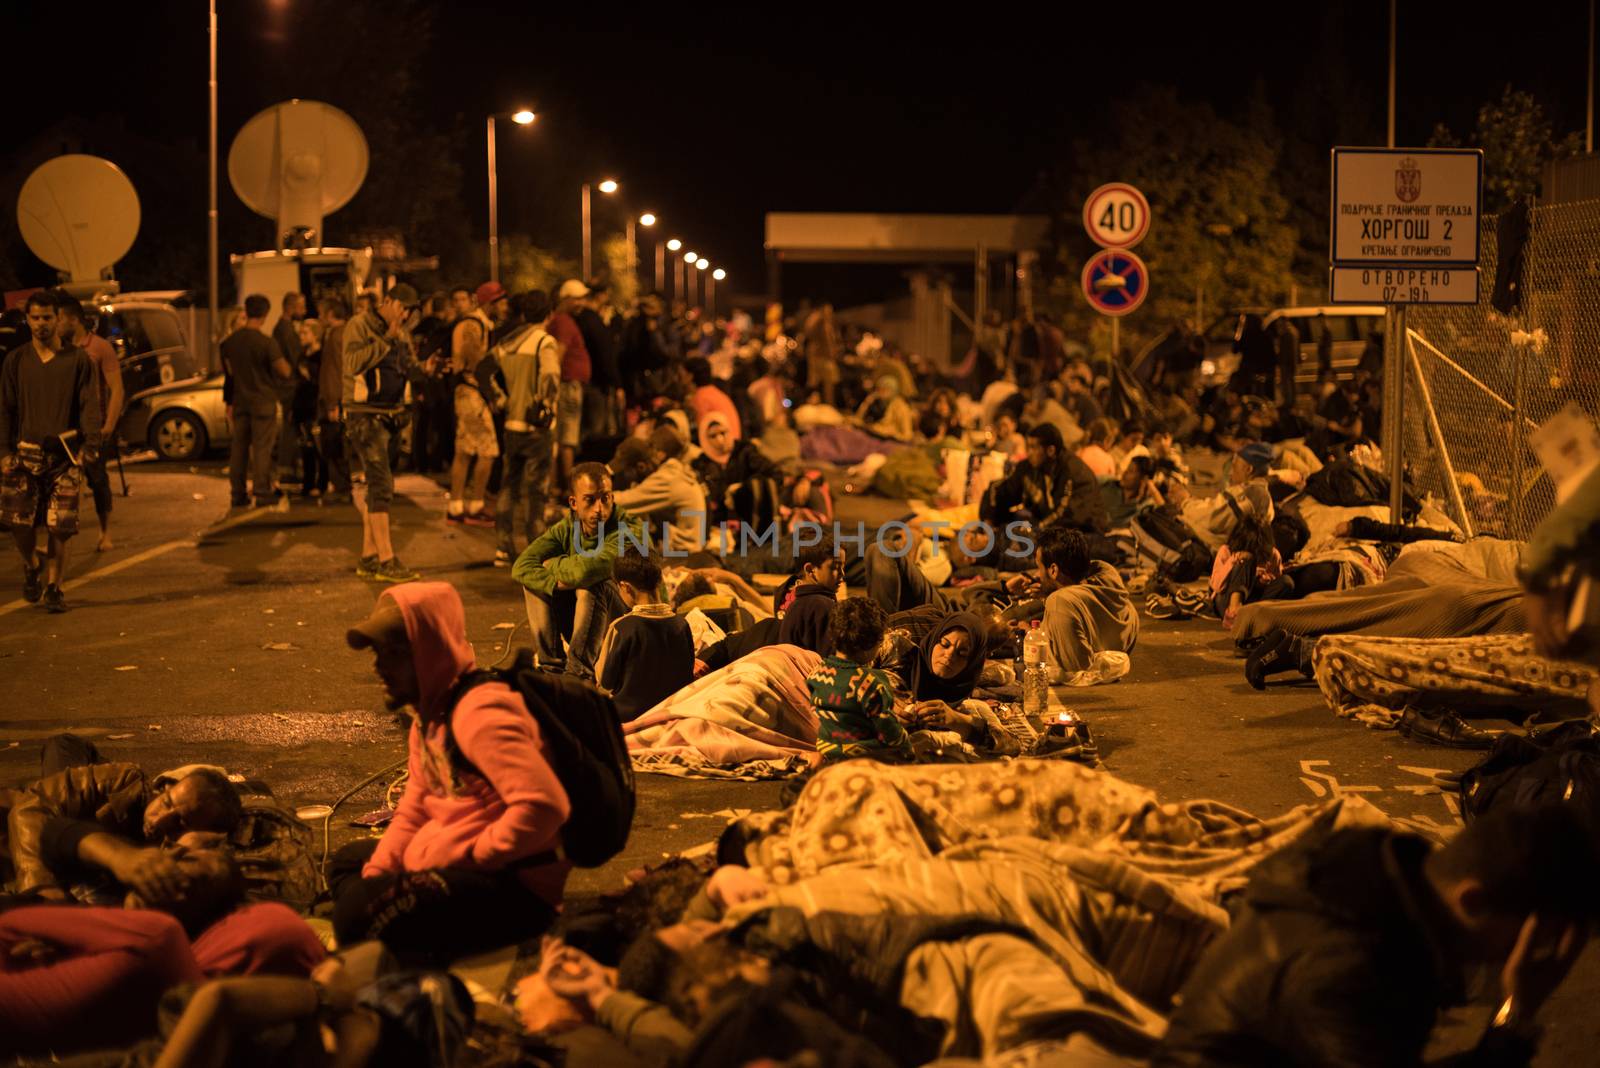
(1115, 281)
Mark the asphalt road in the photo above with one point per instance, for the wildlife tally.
(218, 638)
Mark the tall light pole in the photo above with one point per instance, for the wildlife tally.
(647, 220)
(213, 251)
(608, 186)
(700, 266)
(521, 118)
(690, 282)
(677, 269)
(711, 291)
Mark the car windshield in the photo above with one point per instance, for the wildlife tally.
(150, 346)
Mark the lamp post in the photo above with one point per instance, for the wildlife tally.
(524, 117)
(677, 269)
(648, 219)
(711, 291)
(690, 261)
(608, 186)
(700, 266)
(211, 203)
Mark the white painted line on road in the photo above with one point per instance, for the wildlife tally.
(148, 554)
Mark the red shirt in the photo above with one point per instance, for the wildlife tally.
(574, 353)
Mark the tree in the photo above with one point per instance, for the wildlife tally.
(1219, 235)
(525, 266)
(1518, 141)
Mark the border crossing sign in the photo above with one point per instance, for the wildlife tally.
(1115, 281)
(1116, 215)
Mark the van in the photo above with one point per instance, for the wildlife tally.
(1351, 325)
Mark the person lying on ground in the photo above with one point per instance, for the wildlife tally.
(854, 701)
(1347, 949)
(469, 861)
(116, 797)
(648, 654)
(669, 497)
(566, 574)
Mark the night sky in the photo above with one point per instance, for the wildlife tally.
(712, 118)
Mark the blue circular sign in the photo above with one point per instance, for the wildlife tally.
(1115, 281)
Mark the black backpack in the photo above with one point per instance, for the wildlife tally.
(1561, 764)
(1172, 544)
(580, 730)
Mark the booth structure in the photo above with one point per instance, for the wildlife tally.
(919, 240)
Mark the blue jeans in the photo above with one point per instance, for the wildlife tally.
(581, 616)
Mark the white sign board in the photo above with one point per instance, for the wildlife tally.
(1406, 205)
(1403, 285)
(1116, 215)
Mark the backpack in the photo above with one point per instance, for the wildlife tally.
(580, 730)
(1170, 545)
(1561, 764)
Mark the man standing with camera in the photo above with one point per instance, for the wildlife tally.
(377, 362)
(49, 428)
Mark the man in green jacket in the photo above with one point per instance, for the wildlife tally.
(566, 574)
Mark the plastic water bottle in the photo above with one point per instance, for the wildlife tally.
(1035, 676)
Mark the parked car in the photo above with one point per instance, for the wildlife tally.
(174, 400)
(1350, 324)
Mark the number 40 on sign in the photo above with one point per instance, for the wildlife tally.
(1116, 215)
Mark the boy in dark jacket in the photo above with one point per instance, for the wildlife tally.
(809, 596)
(648, 654)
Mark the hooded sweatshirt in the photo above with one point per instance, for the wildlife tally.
(1088, 617)
(450, 817)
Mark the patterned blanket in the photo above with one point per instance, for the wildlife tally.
(750, 720)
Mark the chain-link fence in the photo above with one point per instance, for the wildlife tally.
(1477, 381)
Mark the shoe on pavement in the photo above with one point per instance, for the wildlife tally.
(502, 558)
(394, 571)
(455, 517)
(54, 602)
(1444, 729)
(367, 566)
(32, 583)
(478, 519)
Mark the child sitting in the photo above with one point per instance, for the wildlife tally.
(648, 654)
(854, 702)
(806, 601)
(1248, 568)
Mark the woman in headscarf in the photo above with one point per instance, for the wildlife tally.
(741, 483)
(886, 413)
(942, 670)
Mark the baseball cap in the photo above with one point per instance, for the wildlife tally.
(1258, 454)
(405, 293)
(490, 292)
(385, 626)
(572, 288)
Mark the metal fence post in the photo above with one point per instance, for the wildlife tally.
(1394, 416)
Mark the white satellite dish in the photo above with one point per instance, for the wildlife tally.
(297, 162)
(80, 215)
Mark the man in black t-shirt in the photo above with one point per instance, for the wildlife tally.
(256, 371)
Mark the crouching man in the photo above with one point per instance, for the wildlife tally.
(470, 860)
(566, 575)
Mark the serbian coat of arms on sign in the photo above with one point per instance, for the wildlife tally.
(1408, 180)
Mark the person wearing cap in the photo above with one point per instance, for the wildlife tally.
(1246, 494)
(470, 860)
(377, 361)
(575, 372)
(477, 446)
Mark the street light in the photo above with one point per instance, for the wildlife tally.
(674, 245)
(608, 186)
(691, 280)
(702, 263)
(523, 117)
(647, 219)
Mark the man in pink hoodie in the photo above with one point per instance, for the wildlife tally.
(470, 860)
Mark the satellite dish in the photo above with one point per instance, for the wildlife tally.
(79, 214)
(296, 162)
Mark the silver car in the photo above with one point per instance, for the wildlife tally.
(174, 400)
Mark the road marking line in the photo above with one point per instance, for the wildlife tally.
(148, 554)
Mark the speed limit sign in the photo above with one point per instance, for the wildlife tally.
(1116, 215)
